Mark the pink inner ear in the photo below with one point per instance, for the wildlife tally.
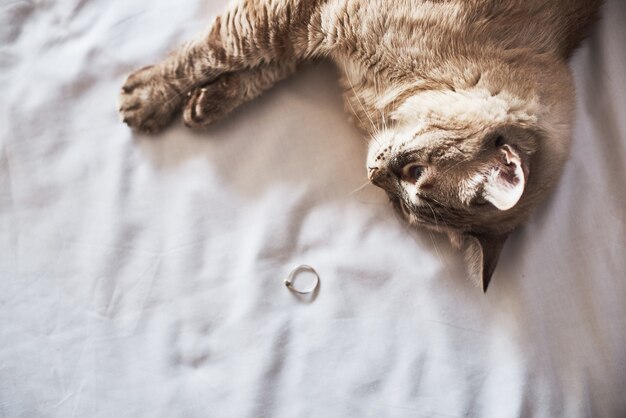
(506, 180)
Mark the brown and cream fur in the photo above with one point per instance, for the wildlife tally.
(467, 103)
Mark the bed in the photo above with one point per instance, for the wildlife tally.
(143, 276)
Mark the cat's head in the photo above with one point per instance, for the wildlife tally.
(473, 162)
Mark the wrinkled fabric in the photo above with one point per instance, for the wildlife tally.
(143, 276)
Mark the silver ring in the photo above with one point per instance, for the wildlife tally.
(295, 272)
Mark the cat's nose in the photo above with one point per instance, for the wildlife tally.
(379, 176)
(374, 174)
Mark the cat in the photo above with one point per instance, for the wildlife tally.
(467, 104)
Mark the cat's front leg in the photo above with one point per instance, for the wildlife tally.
(148, 102)
(250, 34)
(153, 95)
(215, 100)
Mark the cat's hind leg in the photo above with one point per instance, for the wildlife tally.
(215, 100)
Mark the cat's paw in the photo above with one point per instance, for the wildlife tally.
(147, 102)
(212, 101)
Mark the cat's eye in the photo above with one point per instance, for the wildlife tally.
(417, 171)
(413, 172)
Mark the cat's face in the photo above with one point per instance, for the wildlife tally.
(470, 163)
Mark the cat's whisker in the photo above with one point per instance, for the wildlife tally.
(452, 166)
(432, 239)
(436, 201)
(433, 212)
(375, 130)
(355, 113)
(357, 116)
(358, 189)
(359, 100)
(381, 111)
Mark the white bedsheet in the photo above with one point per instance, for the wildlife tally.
(142, 277)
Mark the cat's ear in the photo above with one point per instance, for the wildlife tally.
(482, 252)
(506, 180)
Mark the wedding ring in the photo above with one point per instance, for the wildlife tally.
(300, 269)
